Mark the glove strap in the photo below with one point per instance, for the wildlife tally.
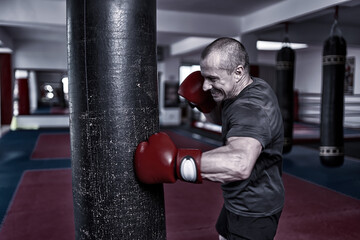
(188, 165)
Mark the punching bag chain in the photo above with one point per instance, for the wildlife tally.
(335, 30)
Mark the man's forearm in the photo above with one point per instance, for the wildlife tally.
(232, 162)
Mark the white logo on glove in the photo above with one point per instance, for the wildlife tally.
(188, 169)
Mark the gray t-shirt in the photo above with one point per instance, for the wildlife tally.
(255, 113)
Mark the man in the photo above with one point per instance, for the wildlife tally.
(249, 164)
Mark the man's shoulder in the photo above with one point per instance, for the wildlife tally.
(259, 82)
(256, 96)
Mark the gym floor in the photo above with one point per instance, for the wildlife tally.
(36, 199)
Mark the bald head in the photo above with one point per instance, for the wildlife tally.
(230, 54)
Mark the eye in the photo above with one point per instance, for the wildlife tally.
(211, 79)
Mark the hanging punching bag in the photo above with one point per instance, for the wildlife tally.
(113, 107)
(332, 103)
(285, 91)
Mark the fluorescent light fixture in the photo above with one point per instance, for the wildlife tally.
(268, 45)
(5, 50)
(189, 44)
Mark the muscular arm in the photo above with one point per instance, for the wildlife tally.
(231, 162)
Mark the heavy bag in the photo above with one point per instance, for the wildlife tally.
(285, 92)
(332, 101)
(113, 107)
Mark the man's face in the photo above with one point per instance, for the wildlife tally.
(217, 80)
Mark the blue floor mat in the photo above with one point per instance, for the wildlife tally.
(16, 148)
(305, 163)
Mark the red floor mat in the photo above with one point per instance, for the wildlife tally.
(192, 210)
(52, 146)
(313, 212)
(42, 208)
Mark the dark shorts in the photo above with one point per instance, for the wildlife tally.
(232, 226)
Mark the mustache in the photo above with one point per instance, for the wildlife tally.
(214, 91)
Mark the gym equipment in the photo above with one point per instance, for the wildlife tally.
(113, 107)
(332, 101)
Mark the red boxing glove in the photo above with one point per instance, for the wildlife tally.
(159, 161)
(191, 89)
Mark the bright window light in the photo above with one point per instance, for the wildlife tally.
(65, 82)
(186, 70)
(21, 74)
(268, 45)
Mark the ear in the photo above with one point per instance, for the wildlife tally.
(239, 72)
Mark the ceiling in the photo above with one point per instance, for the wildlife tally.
(309, 21)
(215, 7)
(220, 7)
(313, 28)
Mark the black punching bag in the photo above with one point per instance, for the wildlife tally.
(332, 102)
(285, 91)
(113, 106)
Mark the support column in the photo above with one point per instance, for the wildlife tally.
(6, 93)
(113, 107)
(23, 96)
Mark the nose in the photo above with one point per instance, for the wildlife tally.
(206, 85)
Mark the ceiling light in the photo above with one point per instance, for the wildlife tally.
(268, 45)
(4, 49)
